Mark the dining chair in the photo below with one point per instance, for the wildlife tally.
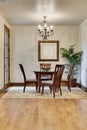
(68, 80)
(55, 83)
(26, 81)
(45, 67)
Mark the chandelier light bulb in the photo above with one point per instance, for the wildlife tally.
(47, 28)
(39, 27)
(51, 27)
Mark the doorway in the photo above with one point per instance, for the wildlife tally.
(6, 56)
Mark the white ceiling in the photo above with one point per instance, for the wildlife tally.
(31, 12)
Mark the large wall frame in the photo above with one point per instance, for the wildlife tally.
(48, 50)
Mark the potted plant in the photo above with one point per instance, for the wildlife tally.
(72, 58)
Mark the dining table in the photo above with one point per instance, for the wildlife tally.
(38, 74)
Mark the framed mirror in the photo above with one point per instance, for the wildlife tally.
(48, 50)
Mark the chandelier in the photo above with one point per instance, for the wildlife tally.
(44, 30)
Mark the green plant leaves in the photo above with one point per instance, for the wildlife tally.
(72, 57)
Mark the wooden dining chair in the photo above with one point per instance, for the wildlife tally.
(26, 81)
(54, 84)
(68, 80)
(45, 67)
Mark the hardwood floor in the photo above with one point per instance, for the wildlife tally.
(43, 114)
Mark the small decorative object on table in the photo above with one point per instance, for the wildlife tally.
(45, 67)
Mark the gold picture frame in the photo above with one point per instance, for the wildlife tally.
(48, 50)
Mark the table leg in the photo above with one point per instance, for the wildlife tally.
(38, 77)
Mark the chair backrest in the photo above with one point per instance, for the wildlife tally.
(45, 66)
(23, 72)
(58, 74)
(70, 71)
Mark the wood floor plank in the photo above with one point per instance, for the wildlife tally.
(43, 114)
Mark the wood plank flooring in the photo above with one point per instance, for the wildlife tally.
(43, 114)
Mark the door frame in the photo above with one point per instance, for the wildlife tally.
(6, 29)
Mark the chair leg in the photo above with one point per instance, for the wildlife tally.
(53, 91)
(69, 88)
(57, 88)
(24, 87)
(60, 91)
(42, 89)
(39, 87)
(36, 87)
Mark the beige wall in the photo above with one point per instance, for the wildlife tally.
(83, 46)
(2, 22)
(24, 47)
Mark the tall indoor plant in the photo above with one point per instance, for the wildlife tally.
(72, 58)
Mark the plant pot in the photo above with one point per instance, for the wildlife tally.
(73, 82)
